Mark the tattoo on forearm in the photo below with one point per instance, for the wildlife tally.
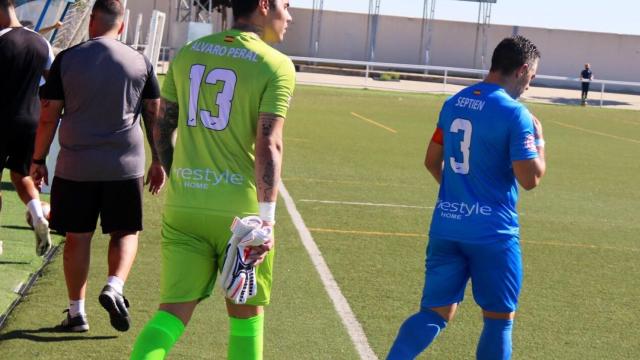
(267, 125)
(269, 155)
(164, 129)
(150, 114)
(268, 178)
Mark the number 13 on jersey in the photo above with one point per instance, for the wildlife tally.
(223, 99)
(465, 126)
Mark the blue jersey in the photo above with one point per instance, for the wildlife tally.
(484, 130)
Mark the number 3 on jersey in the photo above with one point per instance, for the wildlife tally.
(464, 125)
(224, 98)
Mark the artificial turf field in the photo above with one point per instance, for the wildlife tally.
(579, 238)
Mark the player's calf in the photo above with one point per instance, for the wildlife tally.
(495, 340)
(416, 334)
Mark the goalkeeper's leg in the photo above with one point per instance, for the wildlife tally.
(163, 330)
(246, 331)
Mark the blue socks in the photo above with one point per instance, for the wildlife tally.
(495, 341)
(415, 334)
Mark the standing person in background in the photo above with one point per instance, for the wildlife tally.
(44, 30)
(586, 76)
(227, 96)
(25, 57)
(102, 85)
(485, 143)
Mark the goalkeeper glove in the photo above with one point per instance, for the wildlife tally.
(238, 278)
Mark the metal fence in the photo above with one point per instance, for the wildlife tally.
(448, 79)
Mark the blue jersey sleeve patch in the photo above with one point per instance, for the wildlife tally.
(522, 136)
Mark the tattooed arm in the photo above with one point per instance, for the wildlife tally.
(150, 113)
(155, 175)
(163, 132)
(268, 156)
(268, 167)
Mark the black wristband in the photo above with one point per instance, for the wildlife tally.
(39, 161)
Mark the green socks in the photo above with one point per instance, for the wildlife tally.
(245, 338)
(164, 329)
(157, 337)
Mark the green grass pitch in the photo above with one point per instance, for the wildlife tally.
(579, 238)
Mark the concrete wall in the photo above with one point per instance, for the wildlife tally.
(343, 36)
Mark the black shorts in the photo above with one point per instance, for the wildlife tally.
(585, 86)
(16, 148)
(76, 205)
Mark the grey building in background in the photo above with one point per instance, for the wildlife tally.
(344, 35)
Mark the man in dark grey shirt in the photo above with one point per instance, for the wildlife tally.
(102, 85)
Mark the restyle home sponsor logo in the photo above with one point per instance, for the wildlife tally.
(205, 178)
(458, 210)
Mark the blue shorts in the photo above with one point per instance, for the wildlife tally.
(495, 270)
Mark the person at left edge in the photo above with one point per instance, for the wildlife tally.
(102, 85)
(25, 57)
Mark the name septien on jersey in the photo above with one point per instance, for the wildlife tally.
(465, 102)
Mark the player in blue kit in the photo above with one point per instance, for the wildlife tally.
(485, 143)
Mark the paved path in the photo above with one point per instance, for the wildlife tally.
(534, 94)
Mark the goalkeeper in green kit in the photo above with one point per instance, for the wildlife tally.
(226, 96)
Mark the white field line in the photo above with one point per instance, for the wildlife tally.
(350, 182)
(341, 304)
(596, 132)
(365, 204)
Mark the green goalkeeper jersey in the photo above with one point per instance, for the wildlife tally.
(221, 83)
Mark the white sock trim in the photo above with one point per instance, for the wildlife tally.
(76, 307)
(116, 283)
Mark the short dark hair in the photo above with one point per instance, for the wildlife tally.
(26, 23)
(5, 4)
(512, 53)
(112, 9)
(244, 8)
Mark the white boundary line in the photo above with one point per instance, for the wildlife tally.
(341, 304)
(365, 204)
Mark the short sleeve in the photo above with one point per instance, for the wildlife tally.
(151, 88)
(277, 96)
(169, 87)
(522, 144)
(50, 57)
(53, 89)
(439, 125)
(444, 112)
(48, 63)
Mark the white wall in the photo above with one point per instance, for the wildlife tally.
(343, 36)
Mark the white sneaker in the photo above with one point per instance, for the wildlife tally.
(43, 239)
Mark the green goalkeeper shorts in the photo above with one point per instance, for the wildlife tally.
(193, 251)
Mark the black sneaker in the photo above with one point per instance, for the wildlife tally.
(116, 305)
(77, 323)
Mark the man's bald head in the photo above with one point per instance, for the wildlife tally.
(106, 16)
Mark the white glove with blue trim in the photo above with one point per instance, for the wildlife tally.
(238, 277)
